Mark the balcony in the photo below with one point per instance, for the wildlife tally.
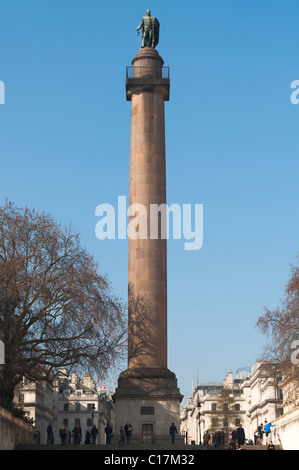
(145, 72)
(147, 79)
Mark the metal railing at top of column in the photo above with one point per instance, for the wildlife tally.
(147, 71)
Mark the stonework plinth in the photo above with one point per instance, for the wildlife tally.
(147, 394)
(150, 400)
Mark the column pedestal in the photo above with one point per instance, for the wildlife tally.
(150, 400)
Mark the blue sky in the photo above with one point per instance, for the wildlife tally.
(231, 144)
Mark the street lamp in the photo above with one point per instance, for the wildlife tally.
(198, 415)
(93, 410)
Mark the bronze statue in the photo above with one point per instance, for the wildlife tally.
(150, 30)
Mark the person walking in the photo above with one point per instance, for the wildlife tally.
(267, 430)
(94, 433)
(215, 440)
(50, 434)
(241, 435)
(128, 432)
(87, 437)
(62, 434)
(260, 430)
(77, 434)
(122, 436)
(108, 432)
(206, 439)
(173, 431)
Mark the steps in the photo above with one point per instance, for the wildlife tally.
(128, 448)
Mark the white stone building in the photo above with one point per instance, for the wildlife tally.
(79, 401)
(258, 400)
(197, 415)
(36, 399)
(68, 401)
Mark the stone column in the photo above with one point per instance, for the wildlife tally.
(147, 393)
(147, 257)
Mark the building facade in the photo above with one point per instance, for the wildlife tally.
(36, 400)
(69, 401)
(78, 401)
(198, 415)
(258, 399)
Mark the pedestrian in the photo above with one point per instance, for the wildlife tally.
(122, 436)
(234, 436)
(261, 432)
(77, 434)
(215, 440)
(206, 439)
(128, 432)
(108, 432)
(87, 437)
(232, 445)
(94, 433)
(271, 446)
(62, 434)
(267, 430)
(241, 435)
(173, 431)
(50, 434)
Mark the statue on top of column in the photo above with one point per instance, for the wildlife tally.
(150, 30)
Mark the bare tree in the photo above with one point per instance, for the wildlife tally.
(281, 327)
(226, 414)
(56, 310)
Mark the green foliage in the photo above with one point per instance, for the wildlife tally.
(15, 411)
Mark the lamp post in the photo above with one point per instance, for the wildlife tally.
(92, 415)
(199, 426)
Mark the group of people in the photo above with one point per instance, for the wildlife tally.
(217, 438)
(261, 431)
(238, 438)
(72, 437)
(125, 433)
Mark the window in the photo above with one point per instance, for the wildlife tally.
(21, 398)
(65, 407)
(214, 422)
(89, 422)
(77, 406)
(66, 422)
(213, 407)
(147, 410)
(237, 407)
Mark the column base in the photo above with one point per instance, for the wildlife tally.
(150, 400)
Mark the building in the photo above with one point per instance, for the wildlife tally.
(258, 399)
(263, 396)
(68, 401)
(78, 401)
(197, 416)
(36, 399)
